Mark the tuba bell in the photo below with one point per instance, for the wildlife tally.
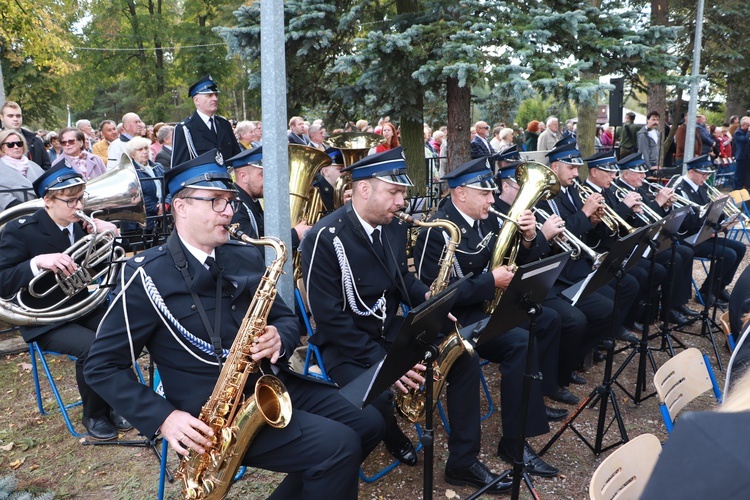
(53, 298)
(353, 146)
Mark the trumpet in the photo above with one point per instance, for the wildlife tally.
(609, 217)
(570, 243)
(680, 201)
(648, 216)
(730, 209)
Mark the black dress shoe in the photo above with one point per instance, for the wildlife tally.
(119, 421)
(533, 464)
(99, 428)
(404, 451)
(577, 379)
(686, 311)
(477, 475)
(627, 336)
(712, 300)
(563, 395)
(556, 414)
(724, 295)
(678, 318)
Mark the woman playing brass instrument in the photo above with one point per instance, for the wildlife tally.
(37, 243)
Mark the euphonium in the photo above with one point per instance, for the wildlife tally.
(52, 297)
(411, 405)
(609, 217)
(304, 199)
(536, 182)
(236, 422)
(570, 243)
(353, 146)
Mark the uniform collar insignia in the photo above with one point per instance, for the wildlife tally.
(21, 221)
(139, 259)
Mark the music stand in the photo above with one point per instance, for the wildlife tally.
(617, 262)
(660, 242)
(521, 301)
(711, 226)
(414, 342)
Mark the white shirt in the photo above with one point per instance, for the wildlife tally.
(366, 225)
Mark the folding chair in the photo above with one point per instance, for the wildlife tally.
(624, 474)
(34, 351)
(682, 379)
(740, 198)
(724, 322)
(313, 361)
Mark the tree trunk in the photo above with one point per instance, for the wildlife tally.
(459, 123)
(586, 130)
(657, 92)
(737, 103)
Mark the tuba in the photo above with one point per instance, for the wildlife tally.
(353, 146)
(52, 297)
(236, 422)
(304, 199)
(536, 182)
(411, 405)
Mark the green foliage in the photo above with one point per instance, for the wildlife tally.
(8, 485)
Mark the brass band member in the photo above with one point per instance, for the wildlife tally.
(633, 171)
(471, 194)
(162, 295)
(325, 180)
(580, 218)
(36, 243)
(731, 252)
(355, 271)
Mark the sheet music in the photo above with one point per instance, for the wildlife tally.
(374, 378)
(581, 288)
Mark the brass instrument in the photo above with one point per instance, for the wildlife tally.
(411, 405)
(730, 208)
(235, 421)
(353, 146)
(570, 243)
(683, 201)
(648, 216)
(607, 214)
(52, 297)
(305, 203)
(536, 182)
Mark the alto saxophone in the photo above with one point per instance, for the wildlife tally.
(236, 422)
(411, 405)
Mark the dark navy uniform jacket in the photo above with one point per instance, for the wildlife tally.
(187, 374)
(342, 334)
(204, 139)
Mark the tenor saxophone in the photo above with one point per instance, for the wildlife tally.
(411, 405)
(235, 421)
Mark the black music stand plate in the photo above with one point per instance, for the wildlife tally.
(530, 284)
(420, 327)
(715, 209)
(620, 256)
(672, 223)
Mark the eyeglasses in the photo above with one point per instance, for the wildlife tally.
(13, 144)
(73, 202)
(485, 128)
(69, 142)
(218, 204)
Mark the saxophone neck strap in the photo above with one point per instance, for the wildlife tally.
(173, 244)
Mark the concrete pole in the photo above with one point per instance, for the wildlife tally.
(275, 144)
(695, 80)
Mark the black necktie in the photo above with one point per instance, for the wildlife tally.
(377, 245)
(478, 228)
(211, 125)
(213, 267)
(66, 232)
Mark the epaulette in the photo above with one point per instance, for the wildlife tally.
(147, 256)
(25, 220)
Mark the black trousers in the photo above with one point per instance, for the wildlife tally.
(642, 272)
(509, 349)
(627, 297)
(583, 326)
(336, 437)
(680, 289)
(462, 394)
(731, 253)
(74, 338)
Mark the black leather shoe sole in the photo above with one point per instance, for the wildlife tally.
(564, 396)
(99, 428)
(534, 465)
(406, 454)
(478, 476)
(556, 414)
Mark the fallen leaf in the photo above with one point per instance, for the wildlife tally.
(33, 467)
(450, 494)
(17, 463)
(26, 366)
(7, 447)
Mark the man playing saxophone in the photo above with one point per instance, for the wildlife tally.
(471, 195)
(356, 275)
(185, 301)
(633, 171)
(692, 186)
(37, 243)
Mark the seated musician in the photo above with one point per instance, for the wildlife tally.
(580, 219)
(692, 186)
(185, 302)
(354, 264)
(471, 194)
(248, 175)
(633, 171)
(37, 243)
(325, 180)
